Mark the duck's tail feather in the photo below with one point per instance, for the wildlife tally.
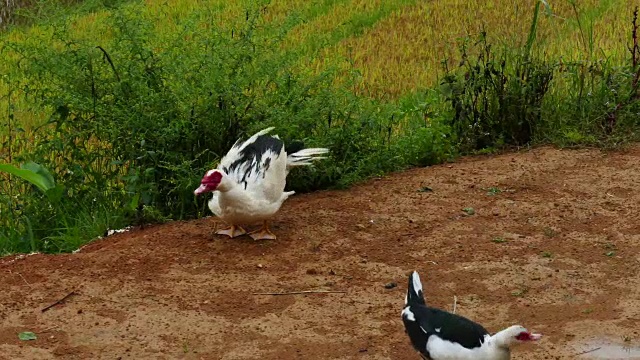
(286, 195)
(305, 156)
(414, 291)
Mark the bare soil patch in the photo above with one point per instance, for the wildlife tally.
(554, 245)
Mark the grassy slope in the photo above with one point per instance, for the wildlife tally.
(405, 50)
(397, 45)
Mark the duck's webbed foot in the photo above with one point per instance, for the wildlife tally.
(263, 233)
(232, 231)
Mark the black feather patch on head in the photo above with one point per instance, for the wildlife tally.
(252, 154)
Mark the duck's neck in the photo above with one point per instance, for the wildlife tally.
(226, 185)
(498, 346)
(232, 193)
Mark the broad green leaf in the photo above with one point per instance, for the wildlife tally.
(42, 171)
(55, 193)
(133, 205)
(34, 173)
(27, 335)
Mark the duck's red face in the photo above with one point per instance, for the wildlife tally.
(527, 336)
(209, 182)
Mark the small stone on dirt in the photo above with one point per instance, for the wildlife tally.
(390, 285)
(312, 272)
(260, 266)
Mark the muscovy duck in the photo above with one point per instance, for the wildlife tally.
(248, 184)
(440, 335)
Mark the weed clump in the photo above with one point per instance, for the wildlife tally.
(497, 99)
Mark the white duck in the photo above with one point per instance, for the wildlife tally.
(248, 184)
(440, 335)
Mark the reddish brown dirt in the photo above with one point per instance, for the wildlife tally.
(568, 267)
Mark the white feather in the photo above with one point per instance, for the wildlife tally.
(417, 285)
(446, 350)
(407, 314)
(494, 347)
(305, 156)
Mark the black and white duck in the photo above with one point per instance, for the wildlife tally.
(440, 335)
(248, 184)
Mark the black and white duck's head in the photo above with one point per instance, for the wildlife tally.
(514, 335)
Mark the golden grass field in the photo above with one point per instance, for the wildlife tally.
(398, 45)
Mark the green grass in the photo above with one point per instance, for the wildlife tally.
(129, 102)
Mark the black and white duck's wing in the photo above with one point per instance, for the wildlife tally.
(449, 333)
(435, 333)
(258, 165)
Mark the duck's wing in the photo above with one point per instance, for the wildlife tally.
(258, 165)
(238, 151)
(435, 333)
(450, 327)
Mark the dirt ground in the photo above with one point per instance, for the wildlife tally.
(554, 245)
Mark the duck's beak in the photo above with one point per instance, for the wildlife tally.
(535, 337)
(201, 189)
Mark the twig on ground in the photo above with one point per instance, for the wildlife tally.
(455, 303)
(302, 292)
(102, 299)
(60, 301)
(48, 329)
(23, 279)
(588, 351)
